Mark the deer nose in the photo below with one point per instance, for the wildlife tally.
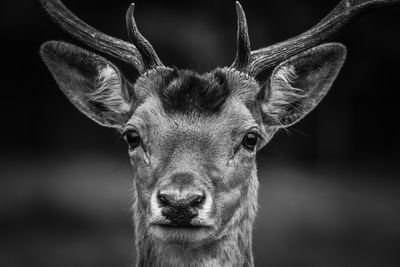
(169, 200)
(180, 209)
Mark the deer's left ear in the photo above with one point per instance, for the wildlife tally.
(298, 84)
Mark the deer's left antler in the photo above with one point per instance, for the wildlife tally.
(258, 60)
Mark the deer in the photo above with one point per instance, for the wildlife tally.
(193, 137)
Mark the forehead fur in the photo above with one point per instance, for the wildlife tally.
(186, 92)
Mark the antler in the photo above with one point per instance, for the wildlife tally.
(335, 21)
(243, 41)
(150, 58)
(142, 58)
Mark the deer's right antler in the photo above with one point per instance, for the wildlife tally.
(140, 54)
(328, 27)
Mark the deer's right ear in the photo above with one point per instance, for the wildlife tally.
(90, 82)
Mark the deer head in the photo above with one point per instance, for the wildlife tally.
(193, 137)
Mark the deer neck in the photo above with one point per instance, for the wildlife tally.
(233, 248)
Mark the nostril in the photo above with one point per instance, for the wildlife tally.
(180, 209)
(197, 201)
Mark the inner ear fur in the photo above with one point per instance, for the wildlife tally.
(92, 83)
(297, 85)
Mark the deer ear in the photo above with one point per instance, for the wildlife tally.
(90, 82)
(297, 85)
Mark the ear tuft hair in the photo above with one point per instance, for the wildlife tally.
(92, 83)
(298, 84)
(285, 94)
(108, 91)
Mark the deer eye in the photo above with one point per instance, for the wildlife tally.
(250, 141)
(133, 139)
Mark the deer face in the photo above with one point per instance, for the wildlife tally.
(192, 138)
(192, 145)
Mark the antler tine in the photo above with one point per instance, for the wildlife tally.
(150, 58)
(90, 36)
(336, 20)
(242, 59)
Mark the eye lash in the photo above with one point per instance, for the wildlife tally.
(256, 132)
(127, 130)
(123, 135)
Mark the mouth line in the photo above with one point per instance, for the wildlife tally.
(183, 227)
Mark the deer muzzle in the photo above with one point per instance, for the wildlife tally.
(181, 201)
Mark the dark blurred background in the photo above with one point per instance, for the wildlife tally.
(329, 191)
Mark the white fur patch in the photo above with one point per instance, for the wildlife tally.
(205, 211)
(109, 90)
(155, 206)
(282, 92)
